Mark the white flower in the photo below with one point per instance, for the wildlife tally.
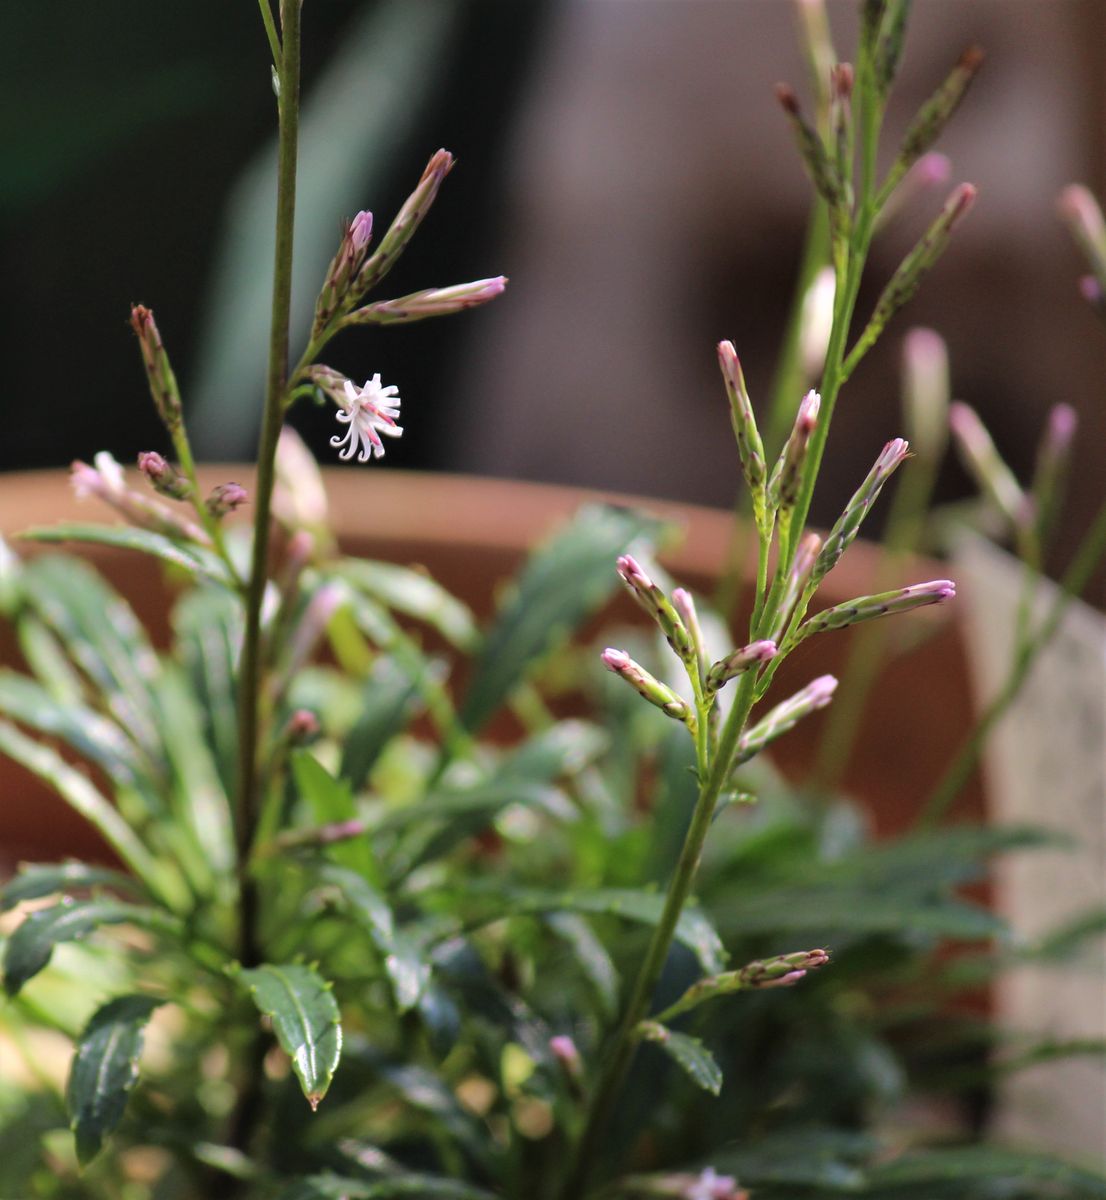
(712, 1186)
(369, 412)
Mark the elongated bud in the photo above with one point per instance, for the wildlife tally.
(811, 147)
(740, 661)
(925, 389)
(750, 449)
(310, 629)
(783, 970)
(645, 684)
(163, 477)
(406, 222)
(343, 269)
(106, 482)
(225, 498)
(848, 524)
(1053, 457)
(936, 112)
(817, 694)
(658, 606)
(817, 45)
(802, 567)
(983, 462)
(563, 1049)
(433, 302)
(816, 322)
(930, 171)
(889, 44)
(1083, 217)
(914, 268)
(865, 608)
(299, 500)
(684, 604)
(783, 487)
(159, 374)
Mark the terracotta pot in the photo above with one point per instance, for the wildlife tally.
(471, 534)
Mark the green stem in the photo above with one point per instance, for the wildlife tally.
(1075, 580)
(618, 1061)
(270, 32)
(249, 686)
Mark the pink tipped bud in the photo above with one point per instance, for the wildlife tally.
(783, 487)
(866, 608)
(750, 448)
(784, 970)
(755, 654)
(563, 1049)
(659, 607)
(433, 302)
(684, 604)
(159, 374)
(925, 385)
(226, 498)
(982, 461)
(302, 727)
(645, 684)
(360, 230)
(816, 695)
(1081, 211)
(933, 169)
(163, 477)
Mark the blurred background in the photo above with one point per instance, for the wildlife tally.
(623, 161)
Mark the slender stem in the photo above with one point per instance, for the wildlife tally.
(618, 1061)
(1075, 580)
(270, 32)
(249, 699)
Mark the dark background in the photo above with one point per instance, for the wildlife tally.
(622, 160)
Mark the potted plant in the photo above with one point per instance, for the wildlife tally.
(389, 921)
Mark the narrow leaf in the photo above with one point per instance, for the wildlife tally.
(79, 793)
(593, 958)
(194, 559)
(401, 1187)
(958, 1165)
(305, 1020)
(36, 880)
(561, 584)
(331, 802)
(29, 948)
(406, 971)
(105, 1069)
(695, 1059)
(391, 699)
(414, 594)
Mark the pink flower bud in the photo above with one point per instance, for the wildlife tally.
(226, 498)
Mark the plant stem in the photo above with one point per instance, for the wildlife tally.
(249, 692)
(270, 32)
(618, 1061)
(1075, 580)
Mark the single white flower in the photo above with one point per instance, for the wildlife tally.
(369, 412)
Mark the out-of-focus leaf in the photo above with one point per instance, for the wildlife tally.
(305, 1020)
(922, 1174)
(693, 1057)
(829, 1159)
(207, 623)
(331, 801)
(563, 749)
(93, 737)
(29, 948)
(102, 636)
(441, 1017)
(79, 793)
(105, 1068)
(413, 1185)
(198, 562)
(391, 698)
(407, 972)
(414, 594)
(562, 583)
(693, 929)
(593, 958)
(36, 880)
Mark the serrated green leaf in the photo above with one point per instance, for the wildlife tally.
(193, 559)
(693, 930)
(93, 737)
(693, 1057)
(562, 583)
(390, 700)
(593, 958)
(29, 948)
(105, 1068)
(407, 972)
(36, 880)
(305, 1020)
(414, 594)
(79, 793)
